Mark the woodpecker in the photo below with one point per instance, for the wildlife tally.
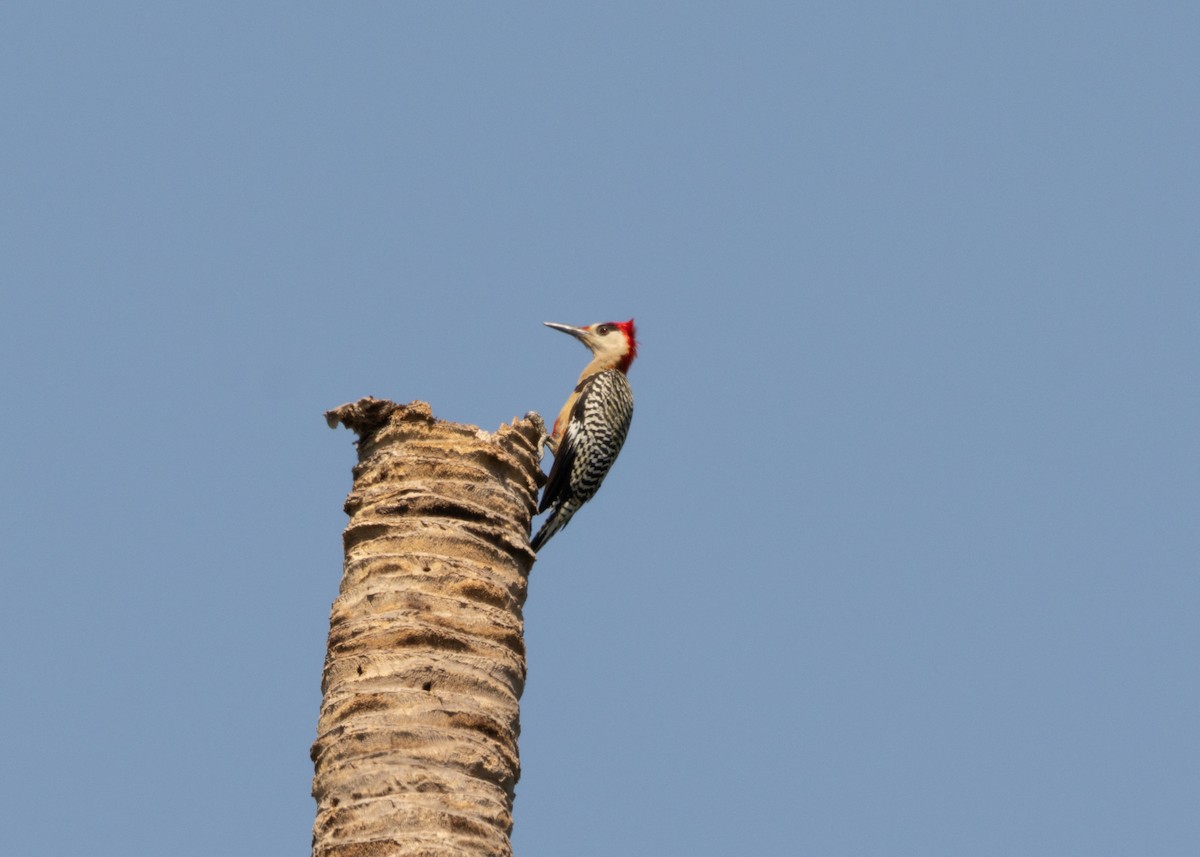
(591, 426)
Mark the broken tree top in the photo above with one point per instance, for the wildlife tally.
(369, 414)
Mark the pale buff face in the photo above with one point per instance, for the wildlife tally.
(606, 341)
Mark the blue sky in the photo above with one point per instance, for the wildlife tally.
(900, 557)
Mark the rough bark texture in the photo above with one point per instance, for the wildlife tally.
(416, 750)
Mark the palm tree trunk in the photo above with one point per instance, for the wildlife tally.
(416, 750)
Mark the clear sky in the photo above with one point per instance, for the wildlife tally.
(901, 555)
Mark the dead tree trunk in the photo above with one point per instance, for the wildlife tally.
(416, 750)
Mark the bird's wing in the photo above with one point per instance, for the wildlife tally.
(564, 460)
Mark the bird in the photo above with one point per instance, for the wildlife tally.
(592, 425)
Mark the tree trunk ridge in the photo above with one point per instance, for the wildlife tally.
(416, 750)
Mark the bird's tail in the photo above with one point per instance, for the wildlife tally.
(557, 520)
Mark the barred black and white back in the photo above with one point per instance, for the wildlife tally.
(594, 435)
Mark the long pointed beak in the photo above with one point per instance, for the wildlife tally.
(578, 332)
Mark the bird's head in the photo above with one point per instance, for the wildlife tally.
(614, 343)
